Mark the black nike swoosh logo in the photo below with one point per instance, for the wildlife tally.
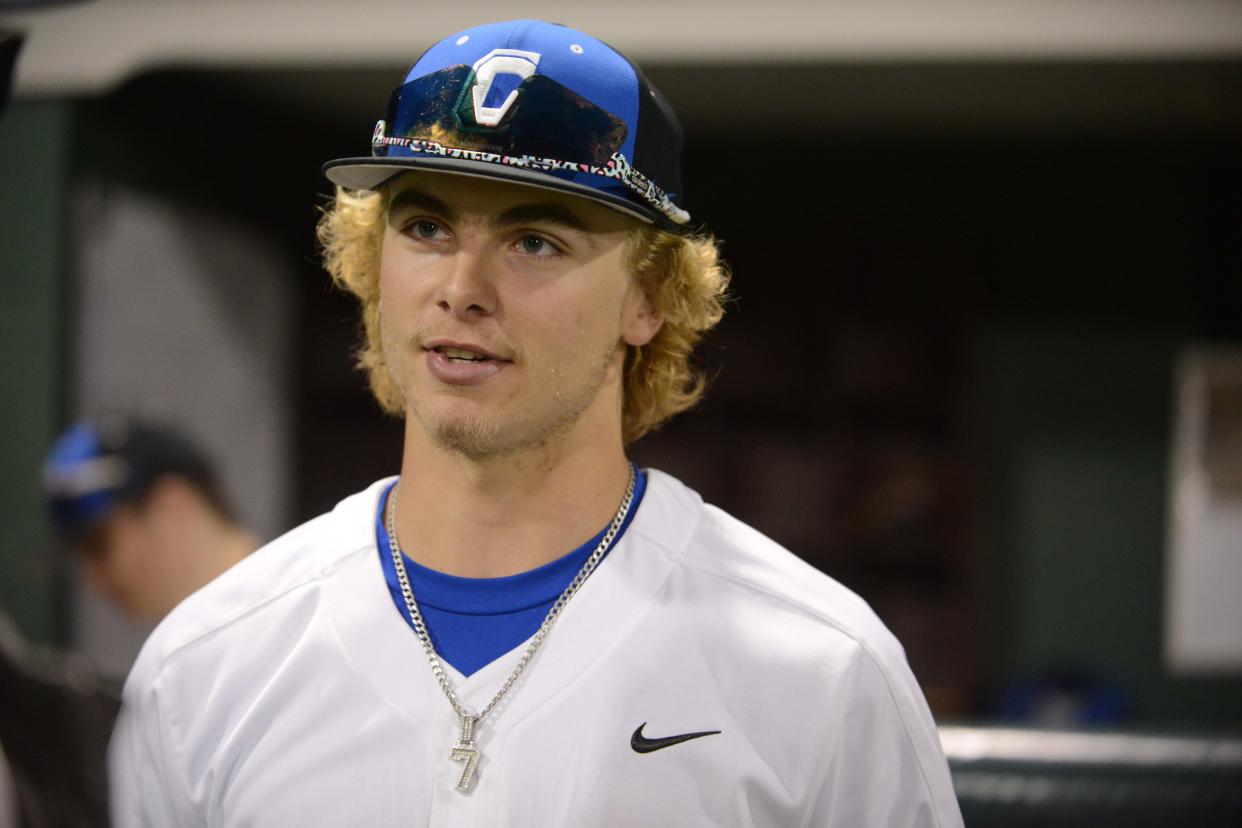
(642, 744)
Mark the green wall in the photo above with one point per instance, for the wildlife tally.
(35, 139)
(1110, 257)
(1078, 442)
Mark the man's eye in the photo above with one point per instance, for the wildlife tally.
(427, 230)
(536, 246)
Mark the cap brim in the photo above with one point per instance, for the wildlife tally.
(371, 173)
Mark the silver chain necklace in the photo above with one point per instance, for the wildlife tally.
(465, 750)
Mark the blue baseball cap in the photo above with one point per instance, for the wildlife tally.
(99, 464)
(536, 103)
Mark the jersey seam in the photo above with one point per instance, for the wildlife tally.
(863, 647)
(165, 658)
(657, 540)
(170, 717)
(358, 672)
(801, 607)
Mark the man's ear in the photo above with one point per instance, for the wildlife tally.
(642, 320)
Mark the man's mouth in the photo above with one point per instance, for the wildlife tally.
(462, 363)
(461, 355)
(462, 351)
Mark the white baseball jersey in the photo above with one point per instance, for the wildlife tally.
(291, 692)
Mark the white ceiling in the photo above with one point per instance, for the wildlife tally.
(92, 47)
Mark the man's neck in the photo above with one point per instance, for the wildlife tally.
(209, 545)
(488, 519)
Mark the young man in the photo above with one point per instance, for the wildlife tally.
(141, 506)
(523, 629)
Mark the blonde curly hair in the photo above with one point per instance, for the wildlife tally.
(683, 277)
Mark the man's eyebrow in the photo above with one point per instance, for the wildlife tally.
(532, 213)
(551, 212)
(418, 200)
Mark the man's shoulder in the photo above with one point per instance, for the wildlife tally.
(747, 568)
(762, 617)
(272, 576)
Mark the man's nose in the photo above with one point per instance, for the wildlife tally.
(468, 290)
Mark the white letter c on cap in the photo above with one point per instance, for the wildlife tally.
(499, 62)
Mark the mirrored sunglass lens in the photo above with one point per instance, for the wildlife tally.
(439, 107)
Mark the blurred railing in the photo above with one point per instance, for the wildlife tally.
(1018, 777)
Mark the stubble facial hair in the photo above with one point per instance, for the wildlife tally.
(478, 438)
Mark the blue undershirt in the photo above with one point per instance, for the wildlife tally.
(474, 621)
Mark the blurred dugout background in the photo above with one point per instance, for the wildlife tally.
(970, 242)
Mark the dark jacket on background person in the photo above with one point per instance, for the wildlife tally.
(56, 715)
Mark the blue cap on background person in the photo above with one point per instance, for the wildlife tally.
(99, 464)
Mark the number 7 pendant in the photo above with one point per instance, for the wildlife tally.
(465, 752)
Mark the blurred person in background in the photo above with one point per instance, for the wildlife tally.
(143, 511)
(141, 507)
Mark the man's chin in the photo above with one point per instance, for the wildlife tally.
(474, 438)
